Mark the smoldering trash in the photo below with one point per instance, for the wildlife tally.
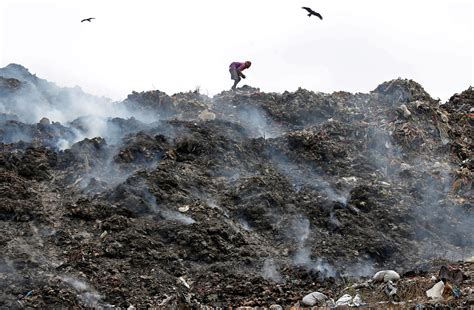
(243, 199)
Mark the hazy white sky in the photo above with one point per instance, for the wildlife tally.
(181, 44)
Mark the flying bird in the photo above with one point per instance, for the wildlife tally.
(311, 12)
(88, 19)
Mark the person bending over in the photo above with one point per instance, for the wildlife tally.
(236, 69)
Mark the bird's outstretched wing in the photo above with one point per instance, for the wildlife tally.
(311, 12)
(87, 19)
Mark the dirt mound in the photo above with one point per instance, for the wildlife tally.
(461, 103)
(401, 90)
(156, 101)
(244, 199)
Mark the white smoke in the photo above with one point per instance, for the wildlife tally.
(303, 175)
(258, 123)
(165, 213)
(86, 293)
(270, 271)
(36, 99)
(300, 232)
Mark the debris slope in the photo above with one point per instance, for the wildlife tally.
(243, 199)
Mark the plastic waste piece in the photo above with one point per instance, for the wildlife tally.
(183, 281)
(104, 234)
(357, 301)
(456, 292)
(183, 209)
(391, 290)
(28, 294)
(345, 300)
(436, 292)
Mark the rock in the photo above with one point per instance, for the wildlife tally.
(275, 307)
(385, 276)
(44, 121)
(314, 298)
(405, 111)
(207, 115)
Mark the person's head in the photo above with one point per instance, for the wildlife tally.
(248, 64)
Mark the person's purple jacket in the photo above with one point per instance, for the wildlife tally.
(238, 65)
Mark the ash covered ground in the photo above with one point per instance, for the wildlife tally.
(243, 199)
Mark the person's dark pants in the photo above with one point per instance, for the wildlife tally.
(234, 75)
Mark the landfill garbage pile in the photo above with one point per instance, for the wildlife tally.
(246, 199)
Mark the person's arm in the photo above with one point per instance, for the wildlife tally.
(239, 70)
(242, 67)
